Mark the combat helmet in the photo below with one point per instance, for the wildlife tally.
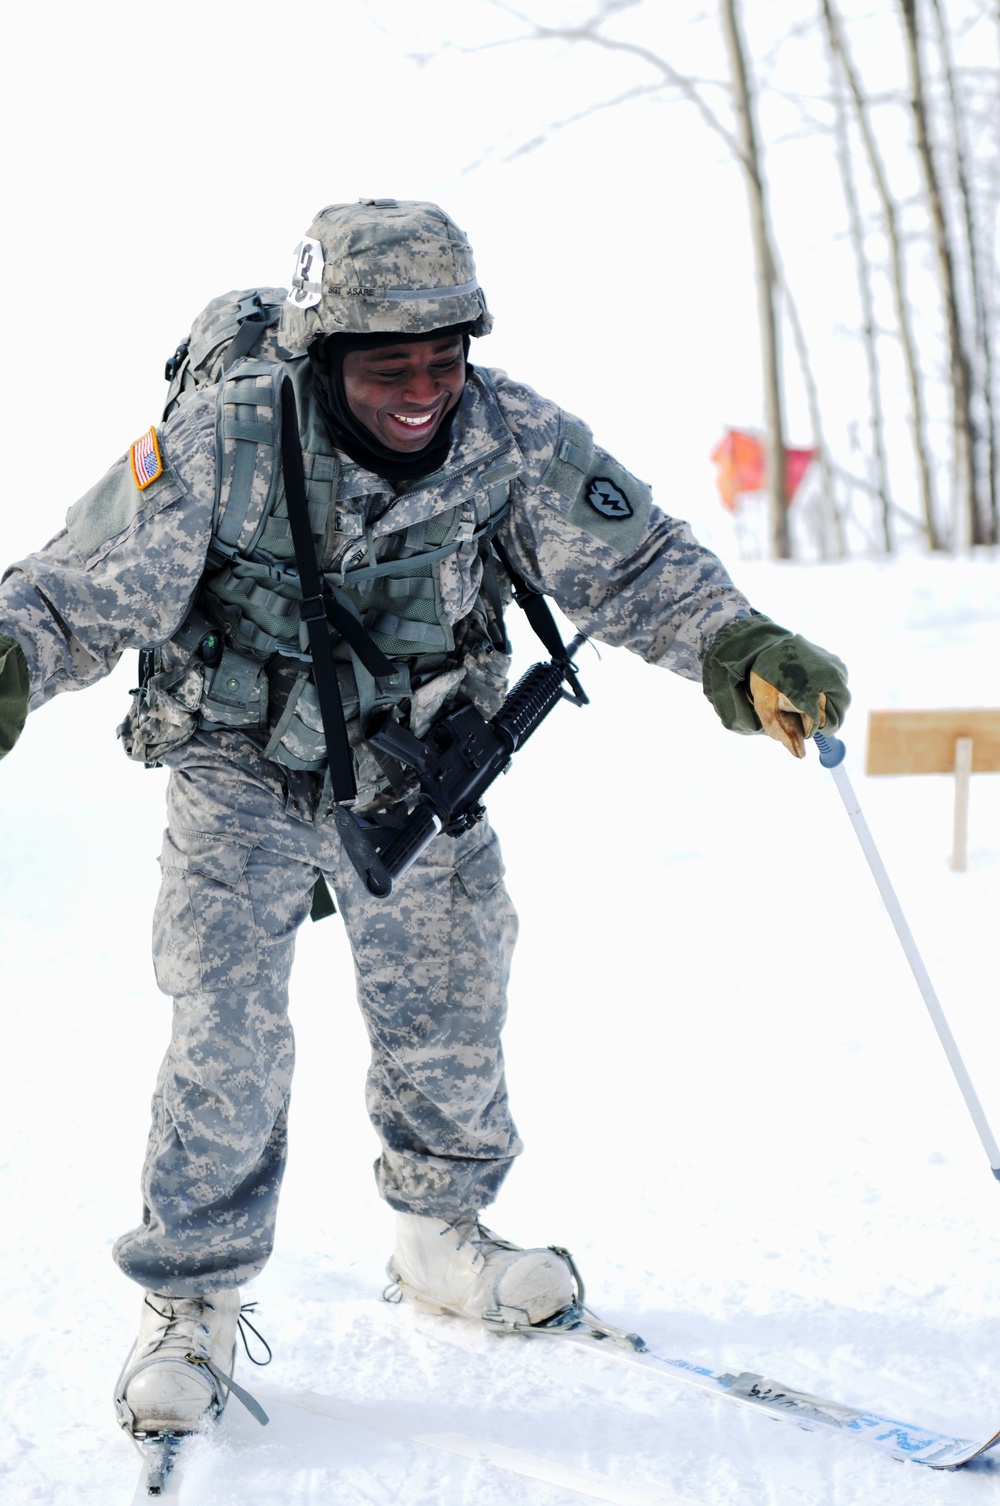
(382, 266)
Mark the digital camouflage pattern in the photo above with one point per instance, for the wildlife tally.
(239, 861)
(126, 568)
(120, 575)
(247, 837)
(382, 265)
(14, 692)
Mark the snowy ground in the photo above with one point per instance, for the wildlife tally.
(736, 1111)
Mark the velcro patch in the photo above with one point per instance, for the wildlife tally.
(147, 462)
(608, 499)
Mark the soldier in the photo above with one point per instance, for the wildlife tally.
(416, 464)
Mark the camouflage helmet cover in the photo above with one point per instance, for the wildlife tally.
(382, 266)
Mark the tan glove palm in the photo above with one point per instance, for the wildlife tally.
(780, 718)
(762, 678)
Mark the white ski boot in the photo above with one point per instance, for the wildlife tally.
(462, 1268)
(178, 1373)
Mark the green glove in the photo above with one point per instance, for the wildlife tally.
(14, 691)
(762, 678)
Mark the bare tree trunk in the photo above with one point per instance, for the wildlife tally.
(965, 478)
(903, 317)
(876, 417)
(766, 282)
(981, 320)
(832, 540)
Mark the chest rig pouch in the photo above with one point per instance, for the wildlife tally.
(414, 610)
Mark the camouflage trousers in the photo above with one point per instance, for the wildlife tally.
(239, 862)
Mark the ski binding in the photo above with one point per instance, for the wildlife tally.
(158, 1452)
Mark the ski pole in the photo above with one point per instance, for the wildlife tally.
(831, 756)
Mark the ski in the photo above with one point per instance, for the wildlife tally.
(159, 1453)
(902, 1440)
(578, 1325)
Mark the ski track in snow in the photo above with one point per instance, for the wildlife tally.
(737, 1114)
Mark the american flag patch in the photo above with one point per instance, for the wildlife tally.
(147, 462)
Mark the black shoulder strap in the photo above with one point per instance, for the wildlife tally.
(539, 615)
(253, 319)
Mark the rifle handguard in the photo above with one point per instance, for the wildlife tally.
(531, 700)
(456, 763)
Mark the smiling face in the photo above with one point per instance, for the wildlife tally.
(402, 392)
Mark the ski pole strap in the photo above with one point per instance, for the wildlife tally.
(313, 610)
(537, 610)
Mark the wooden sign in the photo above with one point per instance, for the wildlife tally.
(937, 742)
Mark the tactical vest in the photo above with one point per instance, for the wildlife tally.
(414, 568)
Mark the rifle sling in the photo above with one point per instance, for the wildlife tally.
(539, 615)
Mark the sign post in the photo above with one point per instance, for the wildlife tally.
(962, 743)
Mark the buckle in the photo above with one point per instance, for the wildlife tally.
(175, 362)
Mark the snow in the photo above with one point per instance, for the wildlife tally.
(736, 1111)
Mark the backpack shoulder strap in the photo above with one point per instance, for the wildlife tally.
(247, 434)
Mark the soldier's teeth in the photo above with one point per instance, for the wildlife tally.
(424, 418)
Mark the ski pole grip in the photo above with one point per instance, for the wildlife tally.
(831, 750)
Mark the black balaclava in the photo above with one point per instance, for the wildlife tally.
(354, 437)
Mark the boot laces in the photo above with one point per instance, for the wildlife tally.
(242, 1324)
(185, 1330)
(471, 1231)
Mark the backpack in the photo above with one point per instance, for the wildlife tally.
(234, 325)
(234, 344)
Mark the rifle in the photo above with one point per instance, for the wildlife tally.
(456, 763)
(463, 752)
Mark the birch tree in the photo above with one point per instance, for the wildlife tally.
(904, 315)
(961, 395)
(980, 346)
(766, 276)
(863, 273)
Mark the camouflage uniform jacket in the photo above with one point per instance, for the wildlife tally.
(130, 564)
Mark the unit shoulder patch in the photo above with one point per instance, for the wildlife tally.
(147, 462)
(608, 499)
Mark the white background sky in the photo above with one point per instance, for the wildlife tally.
(154, 156)
(157, 156)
